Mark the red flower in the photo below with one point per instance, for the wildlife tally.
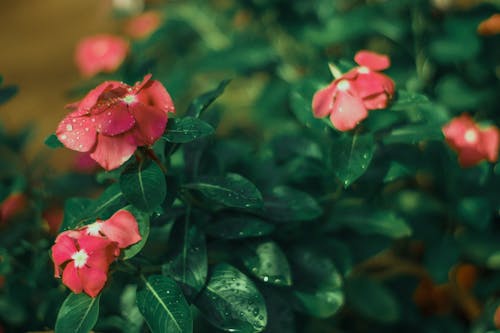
(472, 143)
(143, 25)
(12, 206)
(121, 228)
(114, 119)
(100, 53)
(83, 261)
(348, 98)
(490, 26)
(53, 217)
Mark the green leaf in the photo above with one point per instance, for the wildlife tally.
(321, 303)
(475, 212)
(143, 223)
(163, 305)
(143, 185)
(406, 100)
(287, 204)
(202, 102)
(78, 313)
(231, 190)
(351, 156)
(236, 227)
(187, 257)
(301, 105)
(231, 302)
(268, 262)
(74, 210)
(187, 129)
(414, 133)
(372, 300)
(53, 142)
(6, 93)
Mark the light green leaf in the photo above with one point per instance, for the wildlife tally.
(414, 133)
(202, 102)
(78, 313)
(187, 129)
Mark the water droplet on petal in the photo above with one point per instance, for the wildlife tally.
(69, 127)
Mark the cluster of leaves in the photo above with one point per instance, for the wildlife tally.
(288, 225)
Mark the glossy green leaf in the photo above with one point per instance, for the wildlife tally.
(372, 300)
(202, 102)
(231, 190)
(143, 223)
(143, 185)
(53, 142)
(187, 129)
(230, 301)
(236, 227)
(78, 314)
(163, 305)
(351, 156)
(268, 263)
(187, 257)
(287, 204)
(321, 303)
(74, 211)
(414, 134)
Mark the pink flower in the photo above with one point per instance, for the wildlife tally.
(348, 98)
(114, 119)
(100, 53)
(12, 206)
(83, 261)
(143, 25)
(472, 143)
(84, 163)
(121, 228)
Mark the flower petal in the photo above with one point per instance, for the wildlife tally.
(469, 157)
(84, 106)
(490, 139)
(372, 60)
(112, 151)
(93, 280)
(122, 228)
(322, 103)
(153, 93)
(150, 123)
(348, 111)
(115, 120)
(71, 279)
(63, 249)
(77, 133)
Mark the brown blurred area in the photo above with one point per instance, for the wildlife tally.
(37, 40)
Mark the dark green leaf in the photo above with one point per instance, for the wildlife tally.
(74, 211)
(143, 185)
(143, 222)
(321, 303)
(163, 305)
(53, 142)
(78, 314)
(351, 156)
(475, 212)
(301, 105)
(407, 100)
(268, 262)
(287, 204)
(239, 227)
(231, 190)
(187, 129)
(440, 256)
(202, 102)
(231, 302)
(414, 134)
(187, 257)
(6, 93)
(372, 299)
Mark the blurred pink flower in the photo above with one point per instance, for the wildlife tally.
(348, 98)
(100, 53)
(114, 119)
(143, 25)
(472, 143)
(12, 206)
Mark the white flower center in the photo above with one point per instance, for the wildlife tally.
(129, 99)
(93, 229)
(471, 136)
(363, 70)
(80, 258)
(343, 85)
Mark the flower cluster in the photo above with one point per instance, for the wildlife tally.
(114, 119)
(472, 143)
(349, 97)
(83, 255)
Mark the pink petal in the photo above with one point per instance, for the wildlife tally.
(371, 85)
(372, 60)
(84, 106)
(71, 279)
(150, 123)
(454, 131)
(322, 103)
(93, 280)
(348, 111)
(77, 133)
(153, 93)
(115, 120)
(469, 157)
(376, 102)
(63, 249)
(112, 151)
(122, 228)
(93, 244)
(490, 139)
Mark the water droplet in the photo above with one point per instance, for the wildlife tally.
(63, 137)
(69, 127)
(265, 278)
